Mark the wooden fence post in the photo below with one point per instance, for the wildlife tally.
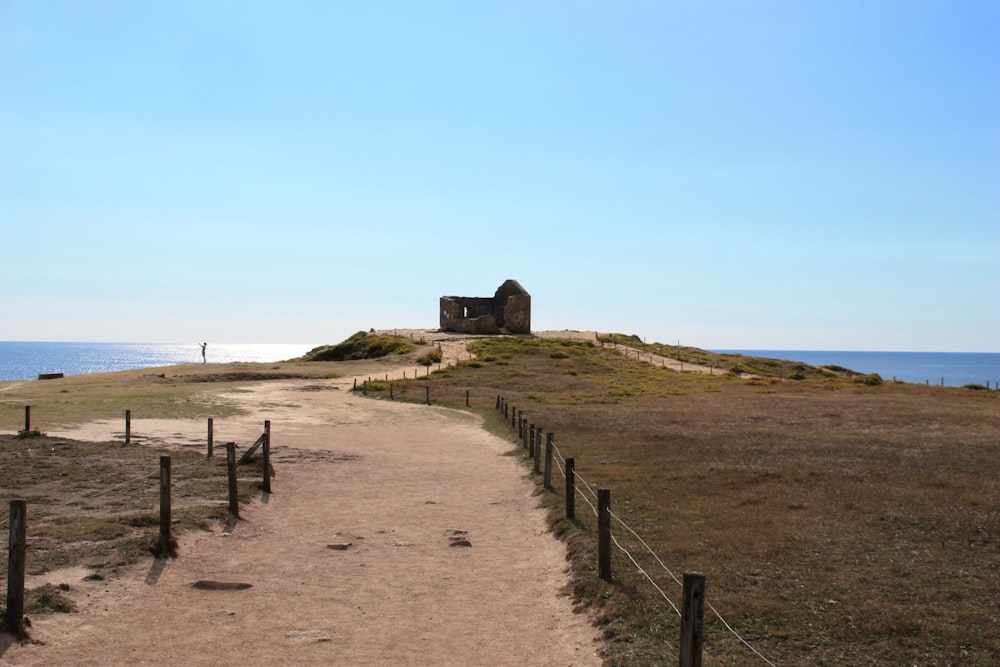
(211, 437)
(27, 418)
(391, 397)
(571, 489)
(531, 440)
(466, 398)
(234, 496)
(548, 461)
(538, 451)
(497, 407)
(692, 619)
(164, 546)
(128, 427)
(604, 534)
(15, 567)
(266, 449)
(428, 389)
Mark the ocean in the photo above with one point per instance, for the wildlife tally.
(954, 369)
(26, 360)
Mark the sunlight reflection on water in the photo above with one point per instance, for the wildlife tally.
(25, 360)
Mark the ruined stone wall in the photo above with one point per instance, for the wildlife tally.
(517, 314)
(508, 311)
(468, 315)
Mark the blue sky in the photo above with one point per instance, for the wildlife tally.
(762, 175)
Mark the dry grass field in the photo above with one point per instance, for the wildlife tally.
(95, 504)
(837, 523)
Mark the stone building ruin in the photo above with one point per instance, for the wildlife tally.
(508, 311)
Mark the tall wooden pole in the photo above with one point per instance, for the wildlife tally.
(548, 461)
(211, 436)
(15, 566)
(538, 450)
(266, 449)
(164, 546)
(234, 496)
(692, 619)
(571, 489)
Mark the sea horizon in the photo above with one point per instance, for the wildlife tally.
(953, 369)
(26, 360)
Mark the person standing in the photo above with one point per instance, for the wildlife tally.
(204, 360)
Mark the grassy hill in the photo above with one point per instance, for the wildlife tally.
(838, 522)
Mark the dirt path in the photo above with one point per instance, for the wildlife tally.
(395, 534)
(642, 355)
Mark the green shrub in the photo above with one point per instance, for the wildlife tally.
(871, 379)
(432, 357)
(975, 387)
(374, 385)
(361, 345)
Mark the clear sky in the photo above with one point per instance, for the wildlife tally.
(752, 175)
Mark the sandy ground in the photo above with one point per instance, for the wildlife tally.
(395, 535)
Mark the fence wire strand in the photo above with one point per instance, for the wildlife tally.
(737, 635)
(593, 508)
(560, 461)
(652, 553)
(586, 485)
(643, 572)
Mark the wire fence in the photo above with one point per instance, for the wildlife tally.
(584, 489)
(554, 457)
(530, 435)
